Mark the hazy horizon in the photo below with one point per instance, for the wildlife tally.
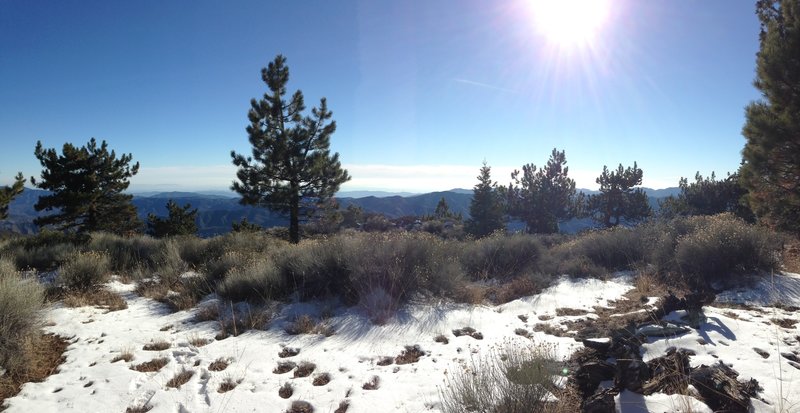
(422, 92)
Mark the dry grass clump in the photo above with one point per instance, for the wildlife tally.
(219, 364)
(284, 367)
(141, 408)
(305, 324)
(155, 364)
(373, 384)
(321, 379)
(343, 406)
(304, 369)
(512, 380)
(237, 319)
(517, 287)
(99, 297)
(125, 355)
(21, 301)
(227, 385)
(180, 378)
(411, 354)
(41, 357)
(300, 406)
(288, 352)
(286, 390)
(84, 270)
(177, 293)
(198, 341)
(159, 345)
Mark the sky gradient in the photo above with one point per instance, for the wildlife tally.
(422, 92)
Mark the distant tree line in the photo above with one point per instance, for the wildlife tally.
(292, 170)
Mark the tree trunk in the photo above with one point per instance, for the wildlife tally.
(294, 218)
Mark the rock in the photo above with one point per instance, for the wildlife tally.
(631, 374)
(658, 330)
(589, 376)
(720, 389)
(601, 347)
(600, 402)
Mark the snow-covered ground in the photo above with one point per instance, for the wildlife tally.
(89, 381)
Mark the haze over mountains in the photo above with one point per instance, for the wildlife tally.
(217, 210)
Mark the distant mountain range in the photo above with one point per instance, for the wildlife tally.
(217, 210)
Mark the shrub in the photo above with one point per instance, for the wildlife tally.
(516, 379)
(42, 258)
(128, 255)
(170, 266)
(500, 256)
(193, 250)
(21, 301)
(616, 248)
(84, 271)
(253, 279)
(724, 246)
(319, 268)
(402, 264)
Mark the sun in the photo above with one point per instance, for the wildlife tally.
(570, 23)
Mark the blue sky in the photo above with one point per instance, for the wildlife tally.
(422, 91)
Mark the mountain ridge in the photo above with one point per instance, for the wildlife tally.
(217, 212)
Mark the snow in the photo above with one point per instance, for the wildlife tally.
(731, 335)
(88, 381)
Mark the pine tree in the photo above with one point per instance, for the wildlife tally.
(179, 221)
(291, 169)
(87, 185)
(7, 194)
(245, 226)
(618, 198)
(542, 197)
(708, 196)
(486, 207)
(442, 210)
(352, 216)
(771, 167)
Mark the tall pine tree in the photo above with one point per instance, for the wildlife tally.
(486, 207)
(87, 185)
(618, 198)
(771, 167)
(542, 197)
(7, 194)
(291, 169)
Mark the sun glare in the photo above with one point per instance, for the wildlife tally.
(570, 23)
